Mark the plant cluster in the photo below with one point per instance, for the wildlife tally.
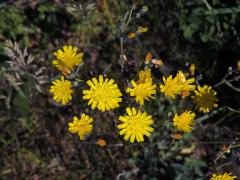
(109, 89)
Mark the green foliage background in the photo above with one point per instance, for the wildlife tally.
(34, 140)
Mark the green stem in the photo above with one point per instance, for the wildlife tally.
(207, 5)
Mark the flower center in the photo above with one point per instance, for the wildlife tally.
(207, 100)
(135, 123)
(141, 91)
(68, 60)
(102, 93)
(64, 89)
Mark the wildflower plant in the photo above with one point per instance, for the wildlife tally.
(172, 94)
(103, 94)
(205, 98)
(178, 85)
(135, 124)
(125, 97)
(134, 105)
(225, 176)
(83, 126)
(61, 90)
(67, 59)
(143, 89)
(185, 121)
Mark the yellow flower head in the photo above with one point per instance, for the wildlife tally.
(131, 35)
(238, 65)
(225, 176)
(142, 29)
(103, 94)
(83, 126)
(170, 87)
(142, 91)
(192, 69)
(148, 57)
(177, 86)
(61, 90)
(67, 58)
(184, 122)
(186, 83)
(135, 125)
(205, 98)
(144, 75)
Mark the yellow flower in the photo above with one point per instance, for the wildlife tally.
(170, 87)
(238, 65)
(131, 35)
(144, 75)
(225, 176)
(67, 59)
(83, 126)
(105, 94)
(135, 125)
(192, 69)
(148, 57)
(184, 122)
(142, 29)
(205, 98)
(61, 90)
(177, 86)
(144, 89)
(186, 84)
